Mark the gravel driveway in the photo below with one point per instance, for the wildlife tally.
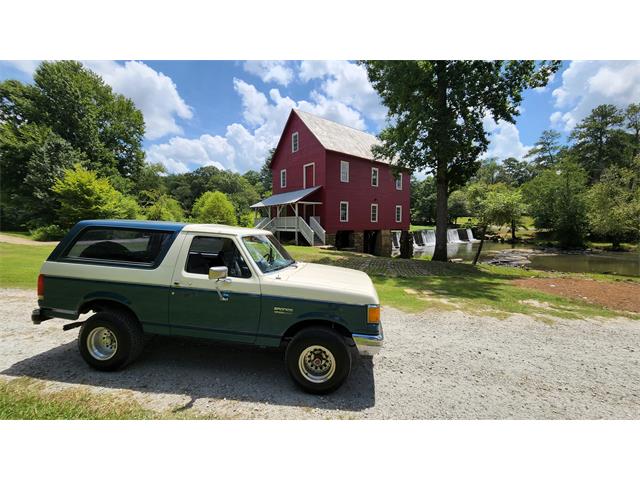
(435, 365)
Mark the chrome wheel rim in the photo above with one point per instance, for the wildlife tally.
(317, 364)
(102, 343)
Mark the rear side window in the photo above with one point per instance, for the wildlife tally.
(120, 245)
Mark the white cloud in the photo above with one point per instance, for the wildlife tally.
(153, 93)
(245, 147)
(27, 67)
(587, 84)
(504, 140)
(270, 71)
(347, 83)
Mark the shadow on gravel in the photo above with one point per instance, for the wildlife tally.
(200, 369)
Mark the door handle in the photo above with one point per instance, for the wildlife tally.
(223, 296)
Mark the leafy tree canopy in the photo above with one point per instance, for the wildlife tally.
(436, 111)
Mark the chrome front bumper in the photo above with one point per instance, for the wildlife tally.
(368, 344)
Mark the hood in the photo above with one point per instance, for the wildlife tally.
(324, 282)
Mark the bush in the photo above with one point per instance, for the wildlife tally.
(82, 195)
(214, 207)
(165, 208)
(48, 233)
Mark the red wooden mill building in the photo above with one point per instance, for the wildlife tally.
(329, 190)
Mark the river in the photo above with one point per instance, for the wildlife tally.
(618, 263)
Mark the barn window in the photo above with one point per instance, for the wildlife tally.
(344, 211)
(374, 212)
(374, 177)
(399, 182)
(283, 178)
(344, 171)
(295, 142)
(398, 213)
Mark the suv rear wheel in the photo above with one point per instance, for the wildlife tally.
(110, 340)
(318, 359)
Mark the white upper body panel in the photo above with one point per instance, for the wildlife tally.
(306, 281)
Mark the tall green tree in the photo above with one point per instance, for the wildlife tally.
(544, 153)
(517, 172)
(600, 140)
(436, 111)
(423, 200)
(614, 204)
(67, 115)
(632, 121)
(493, 204)
(556, 200)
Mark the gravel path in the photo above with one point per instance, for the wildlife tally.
(435, 365)
(22, 241)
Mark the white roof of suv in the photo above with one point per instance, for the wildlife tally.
(224, 229)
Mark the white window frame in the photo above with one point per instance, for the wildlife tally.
(345, 164)
(399, 210)
(399, 179)
(346, 212)
(295, 142)
(283, 178)
(371, 210)
(377, 176)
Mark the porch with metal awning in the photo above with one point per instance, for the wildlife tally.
(291, 202)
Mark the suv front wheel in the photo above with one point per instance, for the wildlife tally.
(318, 359)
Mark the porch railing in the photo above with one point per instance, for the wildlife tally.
(314, 223)
(305, 229)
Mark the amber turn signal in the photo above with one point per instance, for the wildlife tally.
(373, 314)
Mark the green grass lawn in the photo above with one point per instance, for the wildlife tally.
(481, 289)
(20, 264)
(29, 399)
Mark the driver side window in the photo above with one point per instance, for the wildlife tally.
(207, 252)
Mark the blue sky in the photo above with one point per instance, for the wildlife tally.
(229, 113)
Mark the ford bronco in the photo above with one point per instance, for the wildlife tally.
(208, 281)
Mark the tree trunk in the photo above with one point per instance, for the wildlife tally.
(615, 244)
(513, 231)
(442, 154)
(442, 217)
(484, 231)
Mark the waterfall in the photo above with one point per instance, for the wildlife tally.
(452, 236)
(417, 239)
(470, 235)
(429, 237)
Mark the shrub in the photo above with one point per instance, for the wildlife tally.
(214, 207)
(82, 195)
(48, 233)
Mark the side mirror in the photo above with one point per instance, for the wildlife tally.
(218, 273)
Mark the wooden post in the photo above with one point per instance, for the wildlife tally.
(296, 210)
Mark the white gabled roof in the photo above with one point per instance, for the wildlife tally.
(285, 198)
(340, 138)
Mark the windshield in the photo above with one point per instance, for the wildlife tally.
(267, 252)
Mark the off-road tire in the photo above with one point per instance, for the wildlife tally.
(127, 331)
(328, 339)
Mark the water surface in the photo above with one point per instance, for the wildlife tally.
(618, 263)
